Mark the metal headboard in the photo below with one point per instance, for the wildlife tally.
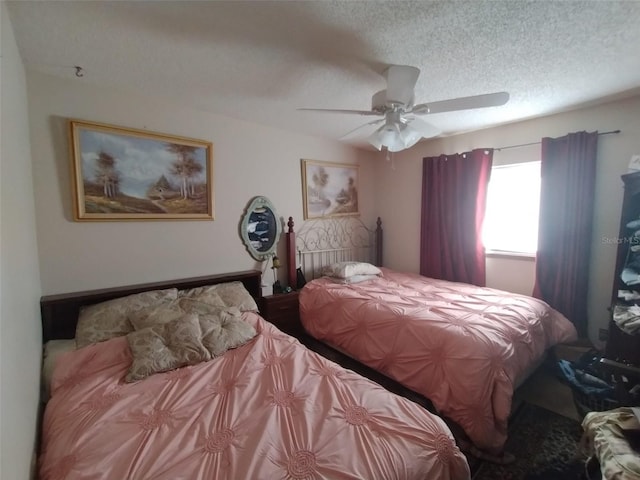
(323, 241)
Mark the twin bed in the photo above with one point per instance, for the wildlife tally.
(465, 348)
(267, 409)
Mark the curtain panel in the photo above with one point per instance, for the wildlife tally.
(568, 170)
(454, 193)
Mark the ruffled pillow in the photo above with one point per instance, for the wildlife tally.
(186, 340)
(197, 305)
(225, 331)
(106, 320)
(165, 347)
(231, 294)
(155, 315)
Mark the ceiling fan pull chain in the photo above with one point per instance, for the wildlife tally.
(391, 159)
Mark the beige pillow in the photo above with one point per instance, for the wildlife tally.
(225, 331)
(232, 294)
(196, 305)
(349, 269)
(165, 347)
(155, 315)
(102, 321)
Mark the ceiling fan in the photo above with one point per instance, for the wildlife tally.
(400, 128)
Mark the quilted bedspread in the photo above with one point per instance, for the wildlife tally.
(270, 409)
(464, 347)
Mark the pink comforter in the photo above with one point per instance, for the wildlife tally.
(271, 409)
(463, 347)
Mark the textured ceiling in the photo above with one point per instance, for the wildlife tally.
(259, 61)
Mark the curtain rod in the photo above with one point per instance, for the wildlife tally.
(538, 143)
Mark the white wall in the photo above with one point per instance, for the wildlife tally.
(20, 331)
(399, 190)
(249, 160)
(513, 274)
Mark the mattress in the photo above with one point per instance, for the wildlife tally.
(270, 409)
(463, 347)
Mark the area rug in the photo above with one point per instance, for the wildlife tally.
(546, 447)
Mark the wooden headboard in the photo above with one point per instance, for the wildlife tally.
(327, 240)
(60, 312)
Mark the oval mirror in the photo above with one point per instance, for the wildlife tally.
(260, 228)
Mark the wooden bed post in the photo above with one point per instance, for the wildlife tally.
(291, 254)
(379, 242)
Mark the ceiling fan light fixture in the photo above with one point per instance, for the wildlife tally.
(389, 133)
(394, 136)
(396, 146)
(374, 139)
(409, 136)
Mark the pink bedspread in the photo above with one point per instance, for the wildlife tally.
(462, 346)
(271, 409)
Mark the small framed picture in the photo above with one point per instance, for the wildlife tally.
(126, 174)
(329, 189)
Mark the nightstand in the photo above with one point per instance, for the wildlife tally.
(282, 310)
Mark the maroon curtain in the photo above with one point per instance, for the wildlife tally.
(454, 192)
(566, 216)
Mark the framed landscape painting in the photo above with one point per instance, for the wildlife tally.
(127, 174)
(329, 189)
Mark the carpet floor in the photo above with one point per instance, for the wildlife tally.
(546, 447)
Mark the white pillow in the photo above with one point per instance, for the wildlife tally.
(52, 350)
(349, 269)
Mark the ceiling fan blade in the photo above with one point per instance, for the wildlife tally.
(353, 112)
(401, 80)
(426, 130)
(360, 128)
(462, 103)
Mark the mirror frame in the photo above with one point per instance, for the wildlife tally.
(260, 202)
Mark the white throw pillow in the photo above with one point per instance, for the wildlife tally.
(349, 269)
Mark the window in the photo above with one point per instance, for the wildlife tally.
(513, 204)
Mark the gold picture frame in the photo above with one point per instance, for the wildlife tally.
(329, 189)
(123, 173)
